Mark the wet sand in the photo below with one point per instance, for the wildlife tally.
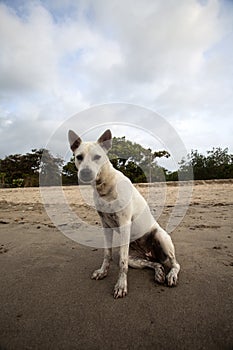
(48, 301)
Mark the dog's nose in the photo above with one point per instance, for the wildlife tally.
(86, 175)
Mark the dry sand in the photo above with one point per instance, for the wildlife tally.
(48, 301)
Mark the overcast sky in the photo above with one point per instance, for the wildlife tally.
(60, 57)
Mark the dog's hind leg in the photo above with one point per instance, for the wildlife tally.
(162, 243)
(139, 263)
(103, 271)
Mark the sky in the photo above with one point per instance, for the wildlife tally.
(64, 58)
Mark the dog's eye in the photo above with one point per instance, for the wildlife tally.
(79, 157)
(96, 157)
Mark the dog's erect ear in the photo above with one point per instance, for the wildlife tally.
(74, 140)
(105, 140)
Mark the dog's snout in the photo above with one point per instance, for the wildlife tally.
(86, 175)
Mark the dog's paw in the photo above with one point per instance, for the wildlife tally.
(120, 289)
(159, 274)
(99, 274)
(172, 278)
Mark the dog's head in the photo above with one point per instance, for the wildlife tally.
(90, 157)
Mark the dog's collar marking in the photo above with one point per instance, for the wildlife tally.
(102, 188)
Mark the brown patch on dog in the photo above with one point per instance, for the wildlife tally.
(148, 247)
(111, 219)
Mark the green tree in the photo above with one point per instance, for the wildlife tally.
(2, 178)
(217, 164)
(23, 170)
(129, 157)
(69, 173)
(133, 172)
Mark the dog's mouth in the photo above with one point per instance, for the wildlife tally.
(84, 182)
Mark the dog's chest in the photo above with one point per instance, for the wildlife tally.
(111, 204)
(109, 219)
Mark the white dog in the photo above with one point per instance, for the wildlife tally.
(143, 243)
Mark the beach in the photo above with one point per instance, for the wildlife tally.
(48, 300)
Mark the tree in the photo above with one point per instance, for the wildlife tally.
(2, 179)
(125, 153)
(23, 170)
(69, 173)
(133, 172)
(15, 167)
(217, 164)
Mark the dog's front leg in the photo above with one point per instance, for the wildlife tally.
(120, 289)
(103, 271)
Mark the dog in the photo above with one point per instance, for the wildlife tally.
(143, 243)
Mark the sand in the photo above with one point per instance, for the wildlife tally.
(48, 301)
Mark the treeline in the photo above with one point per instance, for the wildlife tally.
(23, 170)
(40, 167)
(216, 164)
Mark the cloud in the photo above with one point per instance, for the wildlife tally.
(28, 59)
(59, 57)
